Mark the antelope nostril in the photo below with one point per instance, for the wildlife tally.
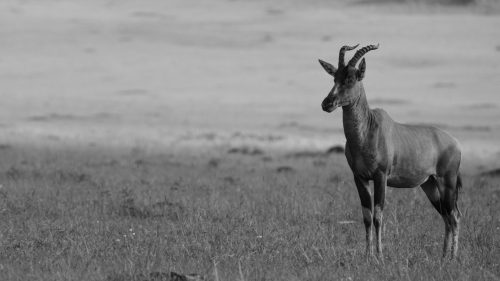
(328, 107)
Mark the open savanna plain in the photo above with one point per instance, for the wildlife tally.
(143, 137)
(234, 213)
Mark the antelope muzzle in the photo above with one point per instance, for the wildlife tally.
(328, 104)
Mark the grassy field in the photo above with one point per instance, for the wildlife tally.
(232, 214)
(156, 136)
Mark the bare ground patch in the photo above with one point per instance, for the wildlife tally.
(58, 117)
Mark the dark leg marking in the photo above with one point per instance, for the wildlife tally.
(366, 203)
(379, 183)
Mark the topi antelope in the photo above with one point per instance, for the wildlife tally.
(393, 154)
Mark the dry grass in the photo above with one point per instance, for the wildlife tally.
(101, 215)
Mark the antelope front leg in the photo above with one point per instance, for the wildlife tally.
(366, 203)
(379, 183)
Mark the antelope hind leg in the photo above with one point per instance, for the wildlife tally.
(452, 212)
(431, 189)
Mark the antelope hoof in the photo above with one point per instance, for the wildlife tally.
(380, 257)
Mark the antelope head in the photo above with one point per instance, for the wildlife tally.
(346, 89)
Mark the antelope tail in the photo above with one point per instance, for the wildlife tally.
(459, 187)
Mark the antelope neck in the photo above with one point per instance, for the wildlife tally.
(356, 118)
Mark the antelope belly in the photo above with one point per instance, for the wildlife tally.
(402, 181)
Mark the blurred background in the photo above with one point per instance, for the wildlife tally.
(176, 74)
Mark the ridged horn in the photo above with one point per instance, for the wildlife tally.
(361, 52)
(342, 54)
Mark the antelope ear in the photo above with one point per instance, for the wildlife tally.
(361, 70)
(328, 67)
